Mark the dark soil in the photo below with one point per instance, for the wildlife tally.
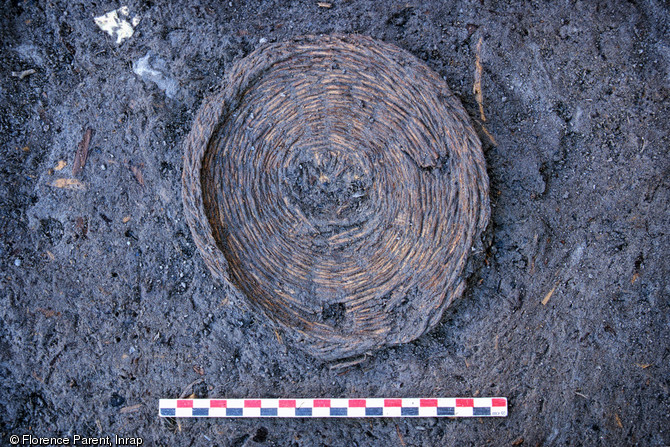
(107, 305)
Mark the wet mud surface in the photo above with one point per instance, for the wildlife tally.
(107, 306)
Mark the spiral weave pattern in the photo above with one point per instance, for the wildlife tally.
(337, 183)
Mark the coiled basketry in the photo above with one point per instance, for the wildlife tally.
(337, 182)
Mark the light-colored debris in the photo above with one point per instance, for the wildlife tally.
(23, 74)
(547, 297)
(577, 254)
(130, 409)
(153, 69)
(635, 277)
(68, 183)
(618, 420)
(115, 23)
(137, 171)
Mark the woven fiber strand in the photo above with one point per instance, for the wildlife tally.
(337, 182)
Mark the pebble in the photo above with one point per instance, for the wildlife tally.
(17, 262)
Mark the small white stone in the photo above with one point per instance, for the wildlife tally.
(262, 40)
(17, 262)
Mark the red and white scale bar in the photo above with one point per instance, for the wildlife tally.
(353, 408)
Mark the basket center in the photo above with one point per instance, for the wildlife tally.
(327, 185)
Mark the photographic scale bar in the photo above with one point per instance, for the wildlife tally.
(327, 408)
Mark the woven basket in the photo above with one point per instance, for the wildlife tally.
(336, 181)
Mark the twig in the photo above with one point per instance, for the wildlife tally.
(138, 174)
(188, 388)
(130, 409)
(477, 88)
(348, 362)
(546, 298)
(402, 441)
(82, 152)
